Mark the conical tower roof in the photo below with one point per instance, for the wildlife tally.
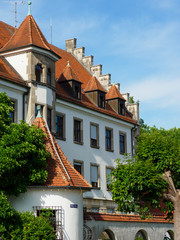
(28, 34)
(60, 171)
(114, 93)
(94, 85)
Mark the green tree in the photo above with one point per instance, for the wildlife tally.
(23, 163)
(153, 176)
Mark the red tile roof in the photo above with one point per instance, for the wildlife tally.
(27, 34)
(6, 32)
(60, 171)
(124, 218)
(68, 74)
(94, 85)
(7, 72)
(114, 93)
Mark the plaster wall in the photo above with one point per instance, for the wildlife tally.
(16, 94)
(19, 62)
(85, 152)
(72, 217)
(128, 230)
(44, 95)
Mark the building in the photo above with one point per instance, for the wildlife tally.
(88, 118)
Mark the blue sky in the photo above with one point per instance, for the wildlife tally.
(136, 41)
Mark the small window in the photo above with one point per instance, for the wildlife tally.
(78, 165)
(95, 209)
(12, 113)
(110, 210)
(94, 135)
(49, 119)
(49, 76)
(122, 143)
(95, 176)
(121, 107)
(55, 216)
(78, 133)
(38, 72)
(76, 90)
(60, 126)
(108, 177)
(109, 139)
(101, 99)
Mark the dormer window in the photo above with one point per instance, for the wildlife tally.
(121, 107)
(38, 72)
(76, 90)
(49, 76)
(101, 99)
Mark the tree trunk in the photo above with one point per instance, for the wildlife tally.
(177, 217)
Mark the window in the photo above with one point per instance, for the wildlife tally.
(49, 118)
(95, 176)
(95, 209)
(12, 113)
(109, 139)
(108, 177)
(55, 217)
(49, 76)
(78, 136)
(36, 111)
(60, 126)
(76, 90)
(110, 210)
(78, 165)
(38, 72)
(101, 99)
(121, 109)
(94, 135)
(122, 143)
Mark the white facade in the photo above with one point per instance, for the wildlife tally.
(70, 201)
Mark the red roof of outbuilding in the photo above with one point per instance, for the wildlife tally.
(114, 93)
(60, 171)
(94, 85)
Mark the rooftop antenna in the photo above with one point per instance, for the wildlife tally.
(15, 9)
(51, 29)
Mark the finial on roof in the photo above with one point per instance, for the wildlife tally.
(29, 7)
(114, 83)
(68, 63)
(39, 111)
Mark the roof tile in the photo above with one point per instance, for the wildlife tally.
(114, 93)
(94, 85)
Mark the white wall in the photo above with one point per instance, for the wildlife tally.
(19, 62)
(44, 95)
(92, 155)
(72, 218)
(15, 92)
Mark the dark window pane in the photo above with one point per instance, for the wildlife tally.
(121, 107)
(49, 118)
(78, 167)
(77, 130)
(49, 76)
(60, 126)
(108, 139)
(101, 100)
(38, 72)
(122, 143)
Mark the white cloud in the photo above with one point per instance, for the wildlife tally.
(160, 91)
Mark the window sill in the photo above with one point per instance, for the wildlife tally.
(79, 143)
(109, 150)
(60, 138)
(97, 147)
(96, 188)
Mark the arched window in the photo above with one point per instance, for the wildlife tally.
(49, 76)
(38, 72)
(141, 235)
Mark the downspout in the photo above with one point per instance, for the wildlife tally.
(24, 99)
(132, 129)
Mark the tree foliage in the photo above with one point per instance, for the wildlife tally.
(23, 163)
(139, 184)
(23, 226)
